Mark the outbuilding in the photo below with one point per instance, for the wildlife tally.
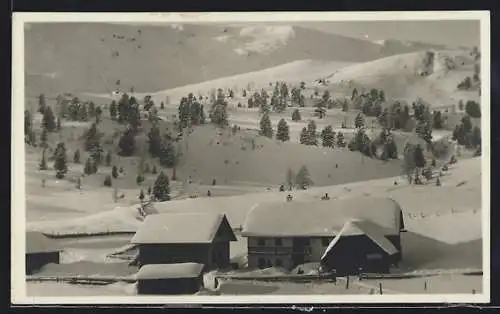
(181, 278)
(171, 238)
(40, 251)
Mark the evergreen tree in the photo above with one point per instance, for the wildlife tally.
(345, 106)
(82, 112)
(43, 162)
(58, 124)
(76, 157)
(320, 108)
(265, 126)
(113, 108)
(98, 114)
(184, 111)
(311, 133)
(161, 189)
(390, 148)
(354, 94)
(244, 94)
(473, 109)
(283, 131)
(328, 136)
(92, 138)
(290, 178)
(476, 137)
(162, 105)
(219, 115)
(127, 143)
(114, 172)
(303, 178)
(41, 104)
(107, 181)
(60, 162)
(418, 155)
(27, 126)
(437, 120)
(123, 108)
(134, 117)
(296, 115)
(139, 179)
(154, 141)
(340, 140)
(303, 136)
(48, 121)
(359, 121)
(149, 190)
(108, 159)
(381, 95)
(467, 124)
(154, 170)
(43, 138)
(168, 156)
(141, 195)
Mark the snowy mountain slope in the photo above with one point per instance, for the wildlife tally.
(84, 57)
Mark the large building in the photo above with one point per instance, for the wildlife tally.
(184, 238)
(40, 251)
(337, 233)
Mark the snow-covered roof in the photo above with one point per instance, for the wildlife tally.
(182, 228)
(37, 242)
(170, 271)
(321, 218)
(363, 227)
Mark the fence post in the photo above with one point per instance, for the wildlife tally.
(425, 285)
(380, 288)
(347, 282)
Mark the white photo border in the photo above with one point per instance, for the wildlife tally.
(18, 210)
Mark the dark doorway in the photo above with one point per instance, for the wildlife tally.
(262, 263)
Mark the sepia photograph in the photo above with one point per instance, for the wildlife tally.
(315, 157)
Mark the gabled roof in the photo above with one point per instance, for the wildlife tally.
(37, 242)
(320, 218)
(375, 233)
(363, 227)
(183, 228)
(170, 271)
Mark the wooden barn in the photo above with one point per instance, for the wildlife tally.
(287, 234)
(359, 246)
(182, 278)
(168, 238)
(40, 251)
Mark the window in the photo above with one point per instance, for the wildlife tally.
(279, 263)
(261, 242)
(278, 242)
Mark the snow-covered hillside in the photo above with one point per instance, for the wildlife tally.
(450, 213)
(430, 75)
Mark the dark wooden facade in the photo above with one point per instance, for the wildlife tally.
(354, 253)
(35, 261)
(214, 255)
(170, 286)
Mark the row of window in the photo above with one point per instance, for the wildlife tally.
(304, 241)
